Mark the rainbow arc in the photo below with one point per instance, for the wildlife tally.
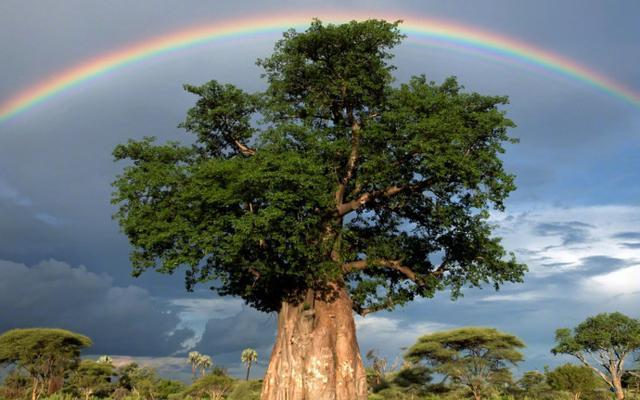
(445, 33)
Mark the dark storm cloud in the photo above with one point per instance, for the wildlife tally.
(119, 320)
(249, 328)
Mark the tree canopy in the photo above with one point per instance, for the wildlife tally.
(472, 356)
(43, 353)
(575, 379)
(332, 174)
(603, 343)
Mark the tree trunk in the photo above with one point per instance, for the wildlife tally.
(316, 354)
(617, 385)
(34, 389)
(248, 370)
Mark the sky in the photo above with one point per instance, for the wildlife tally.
(574, 219)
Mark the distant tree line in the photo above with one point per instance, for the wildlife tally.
(463, 363)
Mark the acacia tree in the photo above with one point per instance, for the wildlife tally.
(45, 354)
(348, 194)
(602, 343)
(473, 357)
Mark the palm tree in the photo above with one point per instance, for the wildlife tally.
(205, 362)
(194, 360)
(248, 357)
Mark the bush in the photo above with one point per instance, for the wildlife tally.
(246, 390)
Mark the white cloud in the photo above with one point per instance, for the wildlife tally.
(624, 281)
(196, 312)
(390, 335)
(548, 251)
(531, 295)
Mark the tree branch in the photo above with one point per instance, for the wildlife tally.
(391, 264)
(351, 162)
(581, 357)
(244, 149)
(360, 201)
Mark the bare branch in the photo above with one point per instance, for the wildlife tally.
(244, 149)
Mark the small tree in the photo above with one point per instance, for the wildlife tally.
(474, 357)
(213, 386)
(92, 378)
(603, 344)
(533, 384)
(378, 367)
(574, 379)
(45, 354)
(248, 357)
(141, 381)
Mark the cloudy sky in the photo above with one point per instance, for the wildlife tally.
(575, 218)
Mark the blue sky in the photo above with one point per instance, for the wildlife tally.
(575, 218)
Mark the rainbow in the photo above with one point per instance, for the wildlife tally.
(442, 33)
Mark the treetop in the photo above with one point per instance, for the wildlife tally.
(330, 175)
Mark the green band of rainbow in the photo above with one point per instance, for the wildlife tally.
(447, 33)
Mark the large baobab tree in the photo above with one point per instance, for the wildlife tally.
(332, 191)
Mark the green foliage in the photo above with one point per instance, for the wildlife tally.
(92, 378)
(574, 379)
(16, 386)
(319, 189)
(141, 381)
(246, 390)
(603, 343)
(44, 354)
(216, 387)
(477, 358)
(166, 388)
(601, 332)
(533, 385)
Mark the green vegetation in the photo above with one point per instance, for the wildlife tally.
(477, 358)
(602, 343)
(296, 197)
(574, 379)
(464, 363)
(45, 355)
